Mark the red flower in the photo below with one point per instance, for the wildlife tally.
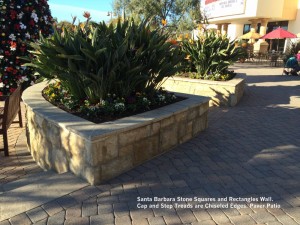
(9, 69)
(86, 15)
(13, 14)
(31, 23)
(13, 44)
(17, 26)
(1, 93)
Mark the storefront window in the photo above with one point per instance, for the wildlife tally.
(246, 28)
(279, 43)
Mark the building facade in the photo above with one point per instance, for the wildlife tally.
(237, 17)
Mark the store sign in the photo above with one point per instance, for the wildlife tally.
(219, 8)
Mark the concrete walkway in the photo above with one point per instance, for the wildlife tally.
(244, 169)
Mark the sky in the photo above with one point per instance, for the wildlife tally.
(65, 9)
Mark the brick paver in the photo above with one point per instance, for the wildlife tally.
(250, 153)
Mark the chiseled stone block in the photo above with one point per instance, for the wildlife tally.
(131, 136)
(115, 167)
(168, 137)
(101, 150)
(145, 149)
(200, 125)
(185, 132)
(167, 122)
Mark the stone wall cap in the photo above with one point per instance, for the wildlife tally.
(233, 82)
(34, 100)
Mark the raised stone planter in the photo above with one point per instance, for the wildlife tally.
(97, 152)
(227, 93)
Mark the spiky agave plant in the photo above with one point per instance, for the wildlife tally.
(94, 60)
(211, 54)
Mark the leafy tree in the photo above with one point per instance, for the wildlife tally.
(182, 13)
(20, 22)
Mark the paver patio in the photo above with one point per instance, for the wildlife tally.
(251, 150)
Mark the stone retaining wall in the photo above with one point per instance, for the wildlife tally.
(227, 93)
(97, 152)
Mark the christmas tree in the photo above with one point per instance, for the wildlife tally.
(21, 21)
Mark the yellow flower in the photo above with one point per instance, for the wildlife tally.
(186, 35)
(164, 22)
(191, 41)
(179, 38)
(188, 57)
(82, 25)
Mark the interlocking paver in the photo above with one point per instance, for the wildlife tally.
(74, 212)
(218, 216)
(274, 223)
(37, 214)
(140, 221)
(201, 215)
(52, 208)
(294, 213)
(263, 217)
(242, 220)
(123, 220)
(41, 222)
(102, 219)
(90, 207)
(85, 193)
(186, 215)
(156, 221)
(120, 209)
(286, 220)
(57, 219)
(20, 219)
(66, 201)
(205, 222)
(77, 221)
(172, 219)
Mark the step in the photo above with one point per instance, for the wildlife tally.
(23, 196)
(28, 179)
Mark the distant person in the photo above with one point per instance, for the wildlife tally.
(298, 56)
(292, 63)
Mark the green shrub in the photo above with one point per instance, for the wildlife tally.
(211, 55)
(94, 60)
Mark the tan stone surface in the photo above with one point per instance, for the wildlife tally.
(226, 93)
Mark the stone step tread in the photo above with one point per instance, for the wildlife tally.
(28, 179)
(37, 193)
